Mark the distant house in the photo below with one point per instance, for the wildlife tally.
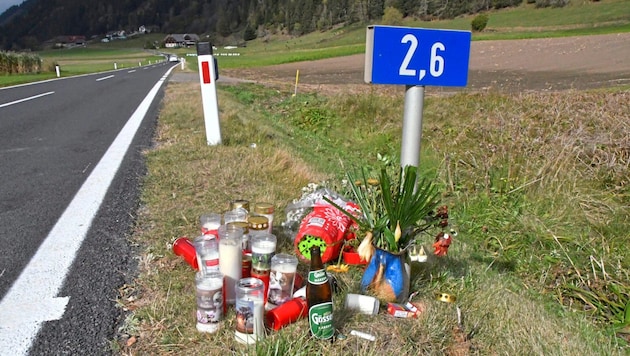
(177, 40)
(116, 35)
(69, 41)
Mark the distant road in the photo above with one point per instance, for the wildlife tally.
(70, 164)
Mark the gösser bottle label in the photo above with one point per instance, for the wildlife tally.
(320, 318)
(317, 277)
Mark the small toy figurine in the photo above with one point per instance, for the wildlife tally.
(441, 244)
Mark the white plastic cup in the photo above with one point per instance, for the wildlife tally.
(363, 304)
(263, 249)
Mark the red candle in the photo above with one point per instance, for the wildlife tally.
(184, 248)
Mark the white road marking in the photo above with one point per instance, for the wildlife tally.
(103, 78)
(33, 298)
(26, 99)
(131, 71)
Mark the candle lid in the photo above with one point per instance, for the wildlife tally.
(239, 203)
(258, 222)
(263, 208)
(242, 224)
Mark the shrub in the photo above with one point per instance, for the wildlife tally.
(479, 23)
(392, 16)
(17, 63)
(249, 33)
(552, 3)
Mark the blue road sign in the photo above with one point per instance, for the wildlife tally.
(416, 56)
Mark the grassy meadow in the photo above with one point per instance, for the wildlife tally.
(537, 189)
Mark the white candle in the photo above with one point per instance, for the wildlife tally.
(230, 264)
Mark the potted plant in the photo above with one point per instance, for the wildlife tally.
(394, 211)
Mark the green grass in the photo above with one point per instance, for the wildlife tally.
(537, 190)
(8, 80)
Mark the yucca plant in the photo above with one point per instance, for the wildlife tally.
(393, 211)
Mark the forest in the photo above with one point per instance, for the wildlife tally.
(27, 26)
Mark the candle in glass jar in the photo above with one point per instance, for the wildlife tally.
(263, 249)
(230, 258)
(266, 210)
(210, 223)
(250, 313)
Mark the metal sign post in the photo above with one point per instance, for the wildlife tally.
(208, 75)
(415, 57)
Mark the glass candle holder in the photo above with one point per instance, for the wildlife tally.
(210, 223)
(281, 279)
(207, 249)
(263, 249)
(209, 292)
(250, 313)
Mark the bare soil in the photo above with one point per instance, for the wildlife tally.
(548, 64)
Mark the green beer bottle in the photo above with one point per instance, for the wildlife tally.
(319, 298)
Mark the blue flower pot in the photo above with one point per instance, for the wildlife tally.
(387, 276)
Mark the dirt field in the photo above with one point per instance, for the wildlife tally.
(512, 65)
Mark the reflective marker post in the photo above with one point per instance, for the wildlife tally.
(208, 76)
(415, 57)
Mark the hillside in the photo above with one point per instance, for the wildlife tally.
(36, 21)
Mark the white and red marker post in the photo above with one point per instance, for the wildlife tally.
(208, 75)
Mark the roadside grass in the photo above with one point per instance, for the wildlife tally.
(9, 80)
(536, 184)
(89, 60)
(78, 61)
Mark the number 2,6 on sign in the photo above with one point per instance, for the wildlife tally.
(415, 57)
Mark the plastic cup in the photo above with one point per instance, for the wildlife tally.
(364, 304)
(236, 215)
(184, 248)
(250, 311)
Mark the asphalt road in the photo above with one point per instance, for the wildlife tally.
(59, 141)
